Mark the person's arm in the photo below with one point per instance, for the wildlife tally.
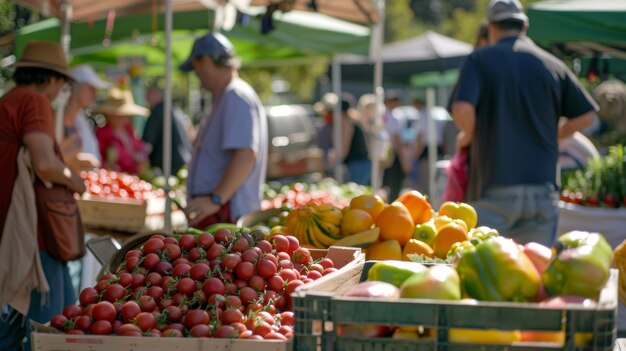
(464, 115)
(572, 125)
(237, 170)
(47, 166)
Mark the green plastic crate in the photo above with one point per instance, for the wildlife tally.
(322, 307)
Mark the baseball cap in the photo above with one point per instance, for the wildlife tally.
(501, 10)
(85, 74)
(215, 45)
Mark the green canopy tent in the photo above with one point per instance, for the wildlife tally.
(297, 35)
(580, 27)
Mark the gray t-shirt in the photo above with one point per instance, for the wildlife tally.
(237, 121)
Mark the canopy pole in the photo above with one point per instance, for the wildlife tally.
(66, 14)
(432, 145)
(376, 53)
(337, 143)
(167, 116)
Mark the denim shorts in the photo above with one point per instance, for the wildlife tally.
(15, 327)
(524, 213)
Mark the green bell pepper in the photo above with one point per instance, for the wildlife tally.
(394, 272)
(498, 270)
(580, 265)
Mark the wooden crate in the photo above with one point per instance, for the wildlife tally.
(42, 341)
(117, 214)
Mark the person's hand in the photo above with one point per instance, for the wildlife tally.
(81, 161)
(463, 140)
(199, 208)
(77, 184)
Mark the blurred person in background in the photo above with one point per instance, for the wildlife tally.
(354, 149)
(120, 149)
(394, 176)
(28, 121)
(80, 145)
(153, 131)
(324, 138)
(377, 137)
(230, 154)
(420, 174)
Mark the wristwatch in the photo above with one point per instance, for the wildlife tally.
(216, 199)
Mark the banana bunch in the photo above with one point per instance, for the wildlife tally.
(315, 225)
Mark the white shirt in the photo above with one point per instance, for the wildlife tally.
(87, 136)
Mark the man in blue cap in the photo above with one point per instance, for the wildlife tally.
(514, 102)
(229, 161)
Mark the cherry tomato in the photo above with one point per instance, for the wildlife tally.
(245, 270)
(195, 317)
(104, 311)
(187, 242)
(88, 296)
(224, 332)
(129, 311)
(101, 327)
(58, 321)
(205, 240)
(199, 271)
(153, 244)
(266, 268)
(145, 321)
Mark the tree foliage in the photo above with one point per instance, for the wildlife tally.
(464, 22)
(400, 22)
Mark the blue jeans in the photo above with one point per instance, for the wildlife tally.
(15, 327)
(360, 171)
(524, 213)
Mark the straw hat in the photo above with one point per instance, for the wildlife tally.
(45, 54)
(121, 103)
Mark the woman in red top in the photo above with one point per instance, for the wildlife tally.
(120, 149)
(26, 120)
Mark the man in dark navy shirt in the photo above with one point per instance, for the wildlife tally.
(514, 102)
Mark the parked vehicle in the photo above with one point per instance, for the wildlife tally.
(292, 134)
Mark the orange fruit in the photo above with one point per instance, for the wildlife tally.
(418, 206)
(414, 246)
(384, 250)
(449, 234)
(395, 223)
(372, 204)
(355, 221)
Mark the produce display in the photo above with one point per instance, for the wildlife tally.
(326, 191)
(406, 228)
(231, 284)
(496, 269)
(117, 185)
(601, 183)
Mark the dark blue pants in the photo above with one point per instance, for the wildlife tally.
(15, 327)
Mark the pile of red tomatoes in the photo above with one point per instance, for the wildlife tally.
(118, 185)
(227, 285)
